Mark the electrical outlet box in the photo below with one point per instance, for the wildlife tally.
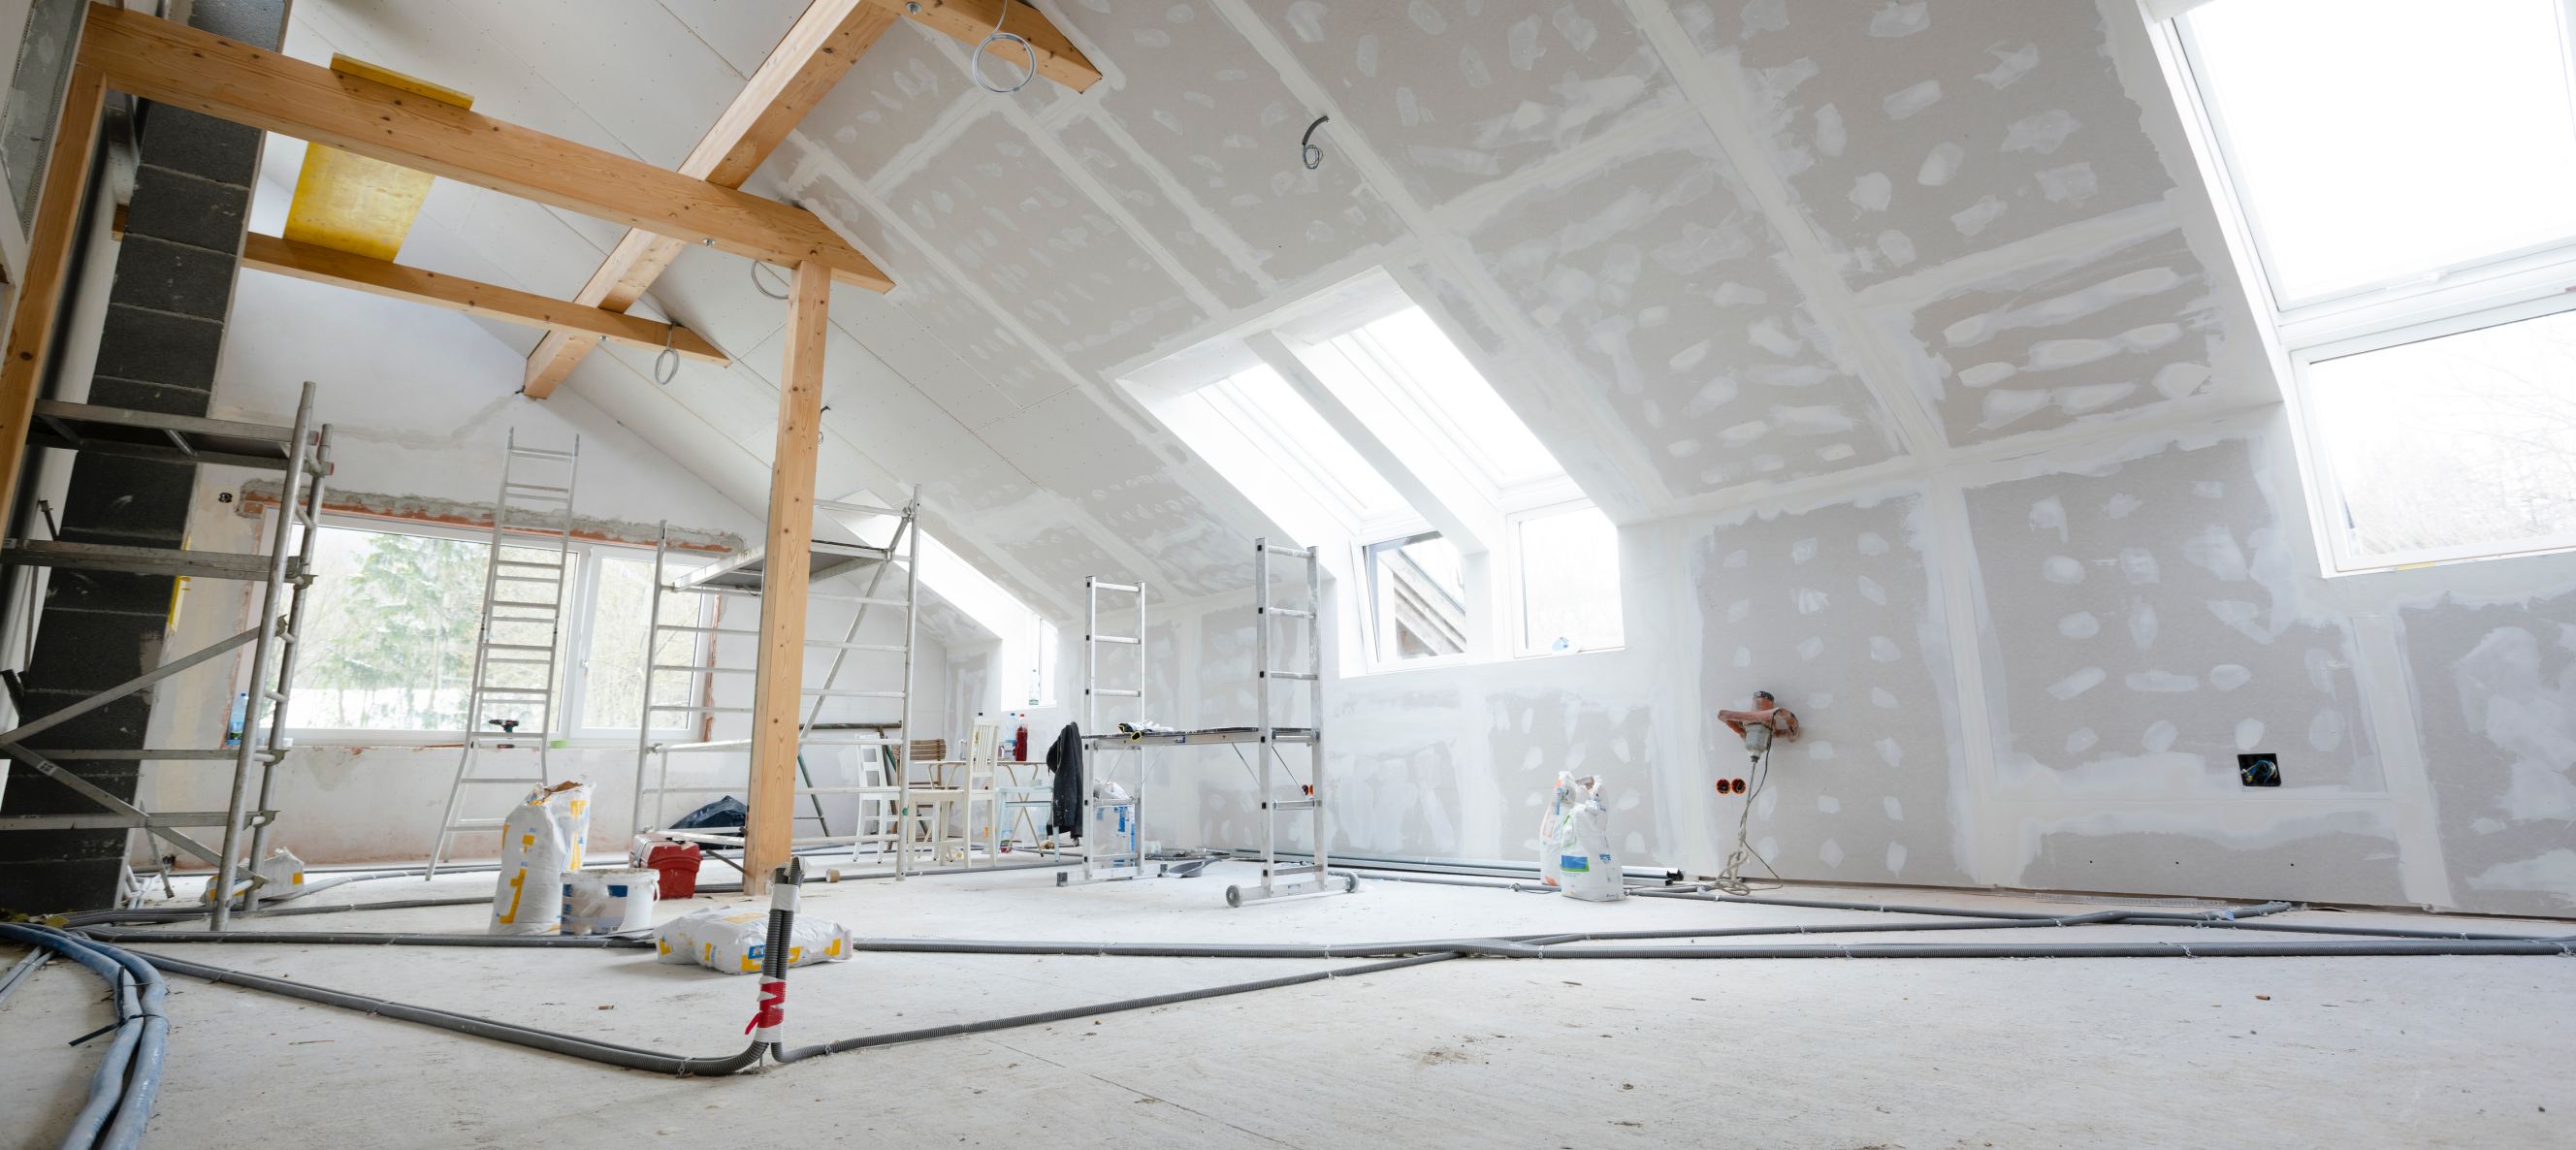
(2259, 769)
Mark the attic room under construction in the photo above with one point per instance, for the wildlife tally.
(1310, 573)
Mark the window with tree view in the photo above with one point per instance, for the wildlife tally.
(390, 627)
(388, 637)
(2406, 175)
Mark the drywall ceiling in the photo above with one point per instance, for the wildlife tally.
(1712, 252)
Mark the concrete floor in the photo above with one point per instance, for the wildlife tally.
(1842, 1054)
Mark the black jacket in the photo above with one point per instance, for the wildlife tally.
(1065, 759)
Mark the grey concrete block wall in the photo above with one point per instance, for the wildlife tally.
(158, 349)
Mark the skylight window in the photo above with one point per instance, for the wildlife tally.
(2403, 172)
(1404, 363)
(2375, 140)
(1295, 441)
(1356, 425)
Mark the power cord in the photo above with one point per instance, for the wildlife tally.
(1732, 880)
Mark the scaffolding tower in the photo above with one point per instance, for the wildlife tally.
(1313, 876)
(1270, 736)
(1113, 834)
(283, 573)
(885, 789)
(519, 627)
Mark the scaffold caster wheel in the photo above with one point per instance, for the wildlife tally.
(1234, 896)
(1350, 884)
(1061, 878)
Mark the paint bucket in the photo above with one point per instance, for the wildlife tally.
(678, 863)
(609, 901)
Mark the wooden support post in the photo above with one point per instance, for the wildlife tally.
(51, 246)
(780, 679)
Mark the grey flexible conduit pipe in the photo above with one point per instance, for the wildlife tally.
(128, 1077)
(866, 1041)
(2388, 941)
(1535, 946)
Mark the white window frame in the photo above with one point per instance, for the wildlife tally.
(573, 636)
(2341, 554)
(1519, 621)
(2468, 295)
(1377, 627)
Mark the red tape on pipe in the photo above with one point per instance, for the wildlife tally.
(772, 1013)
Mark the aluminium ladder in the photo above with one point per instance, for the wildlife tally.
(284, 573)
(1315, 875)
(518, 638)
(1120, 856)
(744, 576)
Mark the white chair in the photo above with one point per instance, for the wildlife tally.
(983, 784)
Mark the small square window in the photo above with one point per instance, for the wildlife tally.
(1569, 582)
(2454, 446)
(1417, 599)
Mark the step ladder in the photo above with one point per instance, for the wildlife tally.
(1313, 875)
(511, 700)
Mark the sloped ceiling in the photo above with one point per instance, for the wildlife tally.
(1711, 252)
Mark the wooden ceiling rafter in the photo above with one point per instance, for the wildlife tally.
(815, 53)
(318, 264)
(174, 64)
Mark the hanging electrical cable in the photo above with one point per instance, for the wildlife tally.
(757, 267)
(666, 366)
(1308, 150)
(975, 65)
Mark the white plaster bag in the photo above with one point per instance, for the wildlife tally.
(540, 839)
(736, 941)
(1574, 842)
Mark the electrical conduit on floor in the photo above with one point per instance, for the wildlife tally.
(1397, 955)
(128, 1077)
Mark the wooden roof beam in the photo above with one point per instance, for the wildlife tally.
(812, 57)
(342, 269)
(174, 64)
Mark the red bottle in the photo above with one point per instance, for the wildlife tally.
(1020, 743)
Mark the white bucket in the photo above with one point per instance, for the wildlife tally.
(609, 901)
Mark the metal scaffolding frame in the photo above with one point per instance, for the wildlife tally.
(887, 826)
(284, 572)
(1098, 862)
(1314, 876)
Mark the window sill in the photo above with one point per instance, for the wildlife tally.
(1572, 653)
(451, 740)
(2526, 548)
